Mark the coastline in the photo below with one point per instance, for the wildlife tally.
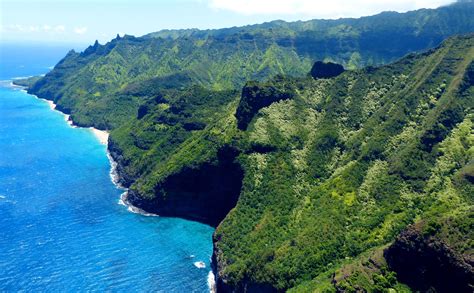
(101, 135)
(103, 138)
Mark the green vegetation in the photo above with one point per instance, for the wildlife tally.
(106, 84)
(26, 82)
(355, 160)
(256, 96)
(333, 169)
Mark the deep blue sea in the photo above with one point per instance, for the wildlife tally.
(61, 227)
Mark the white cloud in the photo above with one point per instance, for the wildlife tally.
(80, 30)
(322, 8)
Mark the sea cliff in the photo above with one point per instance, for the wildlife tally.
(300, 175)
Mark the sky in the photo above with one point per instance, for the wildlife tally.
(84, 21)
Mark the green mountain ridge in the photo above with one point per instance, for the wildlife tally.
(331, 173)
(358, 183)
(92, 85)
(354, 160)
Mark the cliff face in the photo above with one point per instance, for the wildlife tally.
(354, 160)
(314, 172)
(335, 170)
(427, 264)
(326, 70)
(256, 96)
(124, 178)
(205, 193)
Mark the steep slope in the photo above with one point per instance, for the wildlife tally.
(330, 171)
(353, 161)
(95, 85)
(313, 185)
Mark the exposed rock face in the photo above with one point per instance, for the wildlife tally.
(256, 96)
(124, 178)
(326, 70)
(205, 193)
(427, 264)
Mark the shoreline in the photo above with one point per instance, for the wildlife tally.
(133, 209)
(103, 136)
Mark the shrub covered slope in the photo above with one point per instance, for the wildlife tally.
(353, 161)
(333, 170)
(363, 181)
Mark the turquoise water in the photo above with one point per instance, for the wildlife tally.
(61, 227)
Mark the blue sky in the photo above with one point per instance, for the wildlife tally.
(84, 21)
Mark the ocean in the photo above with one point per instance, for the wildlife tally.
(61, 225)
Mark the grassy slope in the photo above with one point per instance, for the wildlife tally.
(158, 145)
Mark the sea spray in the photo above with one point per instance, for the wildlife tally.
(211, 282)
(131, 208)
(200, 265)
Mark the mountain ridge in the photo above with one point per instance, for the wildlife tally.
(96, 77)
(329, 171)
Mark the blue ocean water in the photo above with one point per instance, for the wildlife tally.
(61, 227)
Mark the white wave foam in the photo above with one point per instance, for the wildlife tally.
(13, 86)
(211, 282)
(121, 202)
(51, 104)
(113, 173)
(133, 209)
(114, 177)
(139, 211)
(200, 265)
(113, 166)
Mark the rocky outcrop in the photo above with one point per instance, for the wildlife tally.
(124, 178)
(256, 96)
(326, 70)
(427, 264)
(205, 193)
